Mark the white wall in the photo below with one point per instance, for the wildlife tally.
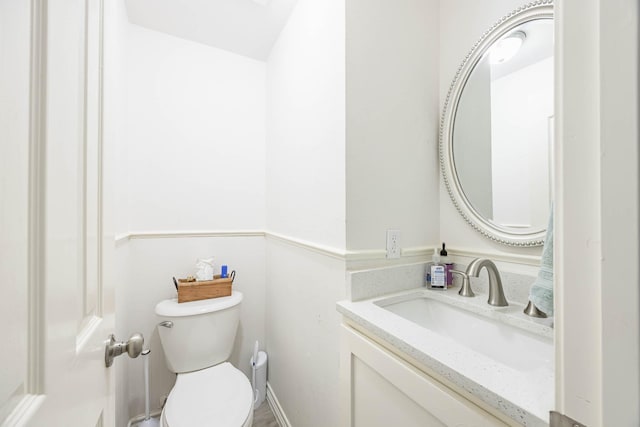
(306, 126)
(306, 201)
(302, 332)
(472, 146)
(392, 122)
(620, 166)
(338, 176)
(462, 23)
(191, 157)
(196, 129)
(521, 108)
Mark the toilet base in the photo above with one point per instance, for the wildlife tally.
(247, 423)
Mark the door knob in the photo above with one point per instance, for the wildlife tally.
(113, 349)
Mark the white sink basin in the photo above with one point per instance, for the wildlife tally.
(506, 344)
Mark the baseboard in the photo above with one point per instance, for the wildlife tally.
(272, 400)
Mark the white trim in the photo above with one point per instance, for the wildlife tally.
(182, 234)
(90, 326)
(368, 259)
(83, 208)
(417, 251)
(367, 255)
(193, 233)
(121, 238)
(101, 178)
(37, 185)
(276, 408)
(87, 142)
(21, 414)
(355, 256)
(358, 255)
(533, 260)
(313, 247)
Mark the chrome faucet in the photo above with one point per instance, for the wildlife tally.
(496, 293)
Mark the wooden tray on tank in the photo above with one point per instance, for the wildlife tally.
(205, 289)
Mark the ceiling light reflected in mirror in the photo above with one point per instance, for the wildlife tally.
(506, 48)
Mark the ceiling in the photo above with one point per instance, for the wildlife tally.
(245, 27)
(538, 45)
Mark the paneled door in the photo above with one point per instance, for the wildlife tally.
(56, 304)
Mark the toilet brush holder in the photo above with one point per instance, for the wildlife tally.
(142, 421)
(259, 378)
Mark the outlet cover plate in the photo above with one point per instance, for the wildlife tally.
(393, 244)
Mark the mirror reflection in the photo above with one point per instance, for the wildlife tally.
(503, 129)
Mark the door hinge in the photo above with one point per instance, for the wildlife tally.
(556, 419)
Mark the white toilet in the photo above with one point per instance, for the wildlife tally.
(197, 338)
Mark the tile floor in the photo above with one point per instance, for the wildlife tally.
(263, 417)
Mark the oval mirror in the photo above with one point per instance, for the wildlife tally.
(496, 133)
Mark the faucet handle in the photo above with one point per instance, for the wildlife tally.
(465, 289)
(533, 311)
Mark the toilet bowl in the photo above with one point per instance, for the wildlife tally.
(219, 396)
(197, 338)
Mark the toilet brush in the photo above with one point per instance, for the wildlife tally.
(254, 362)
(148, 421)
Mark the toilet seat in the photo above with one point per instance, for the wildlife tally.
(219, 396)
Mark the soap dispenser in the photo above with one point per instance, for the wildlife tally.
(437, 273)
(448, 265)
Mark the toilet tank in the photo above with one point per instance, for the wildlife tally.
(202, 332)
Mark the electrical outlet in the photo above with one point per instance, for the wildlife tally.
(393, 244)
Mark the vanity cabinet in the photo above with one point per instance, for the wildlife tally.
(380, 390)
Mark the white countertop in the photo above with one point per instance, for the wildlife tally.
(524, 396)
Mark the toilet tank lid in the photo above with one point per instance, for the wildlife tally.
(171, 308)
